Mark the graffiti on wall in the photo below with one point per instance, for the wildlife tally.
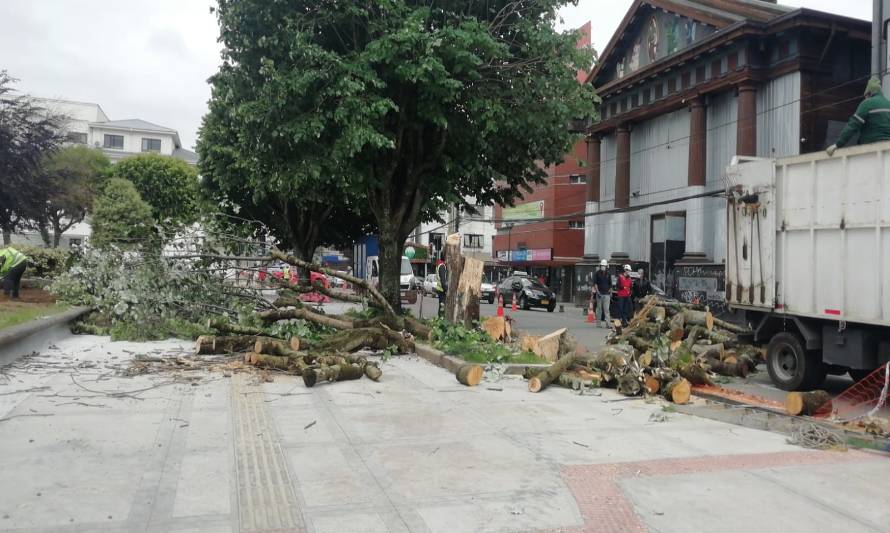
(661, 35)
(703, 284)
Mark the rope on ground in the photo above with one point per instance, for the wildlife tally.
(816, 437)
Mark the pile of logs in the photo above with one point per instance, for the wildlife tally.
(667, 347)
(297, 357)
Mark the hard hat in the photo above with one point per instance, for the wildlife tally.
(604, 263)
(627, 268)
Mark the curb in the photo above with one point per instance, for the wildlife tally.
(452, 363)
(30, 336)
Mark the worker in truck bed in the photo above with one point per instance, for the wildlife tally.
(871, 121)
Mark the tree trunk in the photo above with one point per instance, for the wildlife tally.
(678, 391)
(44, 235)
(390, 268)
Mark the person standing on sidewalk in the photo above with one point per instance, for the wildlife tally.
(602, 288)
(12, 266)
(625, 285)
(441, 284)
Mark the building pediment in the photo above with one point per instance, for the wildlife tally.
(654, 30)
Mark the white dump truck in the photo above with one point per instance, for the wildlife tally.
(808, 261)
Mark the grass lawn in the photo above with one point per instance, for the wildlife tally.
(33, 304)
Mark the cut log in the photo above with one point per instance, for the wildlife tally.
(211, 344)
(224, 326)
(695, 374)
(677, 327)
(532, 371)
(739, 370)
(372, 371)
(708, 351)
(651, 384)
(808, 403)
(577, 380)
(295, 343)
(495, 327)
(469, 375)
(703, 318)
(342, 372)
(545, 378)
(678, 391)
(269, 361)
(630, 384)
(271, 346)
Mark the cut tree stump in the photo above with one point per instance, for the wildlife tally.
(678, 391)
(469, 375)
(211, 344)
(496, 328)
(808, 403)
(651, 384)
(549, 346)
(549, 375)
(464, 284)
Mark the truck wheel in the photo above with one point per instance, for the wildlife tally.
(791, 366)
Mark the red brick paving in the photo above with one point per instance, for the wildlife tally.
(606, 509)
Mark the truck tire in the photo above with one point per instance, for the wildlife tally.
(792, 367)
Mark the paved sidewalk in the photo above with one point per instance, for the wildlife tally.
(82, 449)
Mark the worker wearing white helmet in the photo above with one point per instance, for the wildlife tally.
(602, 288)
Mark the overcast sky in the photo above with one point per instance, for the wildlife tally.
(151, 60)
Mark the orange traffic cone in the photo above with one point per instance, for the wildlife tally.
(514, 302)
(590, 316)
(500, 305)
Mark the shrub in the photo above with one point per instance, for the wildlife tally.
(45, 262)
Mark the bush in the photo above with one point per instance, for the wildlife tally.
(45, 262)
(168, 185)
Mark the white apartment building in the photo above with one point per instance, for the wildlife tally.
(476, 230)
(88, 124)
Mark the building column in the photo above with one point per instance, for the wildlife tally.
(594, 158)
(747, 123)
(622, 171)
(698, 159)
(698, 143)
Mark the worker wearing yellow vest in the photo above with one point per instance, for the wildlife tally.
(12, 267)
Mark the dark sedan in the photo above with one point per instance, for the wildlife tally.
(529, 293)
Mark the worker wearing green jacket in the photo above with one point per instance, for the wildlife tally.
(12, 266)
(871, 121)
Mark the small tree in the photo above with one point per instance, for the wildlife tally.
(169, 185)
(71, 178)
(121, 217)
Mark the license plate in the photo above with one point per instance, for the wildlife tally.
(545, 302)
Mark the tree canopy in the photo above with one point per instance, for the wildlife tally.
(410, 104)
(168, 185)
(28, 134)
(121, 217)
(71, 177)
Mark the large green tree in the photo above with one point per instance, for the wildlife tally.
(414, 103)
(169, 185)
(71, 178)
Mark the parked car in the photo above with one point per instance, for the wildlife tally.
(529, 292)
(429, 284)
(487, 292)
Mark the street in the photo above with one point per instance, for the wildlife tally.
(534, 321)
(88, 444)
